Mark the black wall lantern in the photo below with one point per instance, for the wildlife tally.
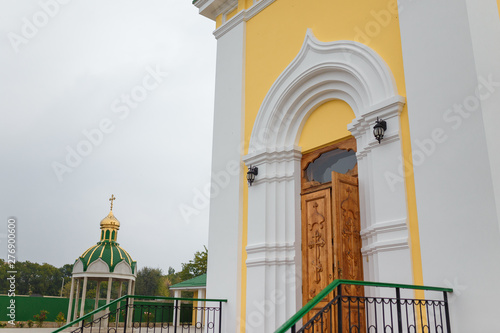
(379, 129)
(252, 172)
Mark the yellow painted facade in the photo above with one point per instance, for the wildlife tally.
(326, 124)
(231, 14)
(273, 39)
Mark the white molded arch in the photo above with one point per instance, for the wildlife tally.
(98, 266)
(78, 267)
(123, 268)
(344, 70)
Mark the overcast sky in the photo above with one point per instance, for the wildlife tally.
(99, 98)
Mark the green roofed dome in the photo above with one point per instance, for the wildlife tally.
(107, 256)
(108, 251)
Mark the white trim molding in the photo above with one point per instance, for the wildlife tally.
(270, 254)
(347, 71)
(213, 8)
(242, 16)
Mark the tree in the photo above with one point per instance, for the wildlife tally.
(195, 267)
(34, 278)
(4, 283)
(149, 282)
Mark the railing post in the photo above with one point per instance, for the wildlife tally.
(220, 317)
(293, 329)
(125, 320)
(339, 311)
(398, 309)
(447, 311)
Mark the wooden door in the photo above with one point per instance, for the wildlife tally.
(347, 248)
(317, 249)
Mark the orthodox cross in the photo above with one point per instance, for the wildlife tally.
(111, 199)
(317, 242)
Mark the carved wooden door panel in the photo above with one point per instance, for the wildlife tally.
(347, 247)
(317, 249)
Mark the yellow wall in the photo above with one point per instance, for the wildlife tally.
(328, 123)
(242, 5)
(231, 14)
(273, 39)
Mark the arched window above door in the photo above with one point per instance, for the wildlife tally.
(338, 160)
(317, 165)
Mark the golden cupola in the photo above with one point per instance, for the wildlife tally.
(110, 225)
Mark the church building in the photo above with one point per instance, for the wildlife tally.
(383, 113)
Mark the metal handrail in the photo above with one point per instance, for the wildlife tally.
(135, 297)
(335, 283)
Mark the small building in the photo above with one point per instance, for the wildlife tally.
(105, 261)
(198, 285)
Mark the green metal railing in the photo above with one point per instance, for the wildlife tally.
(80, 322)
(290, 323)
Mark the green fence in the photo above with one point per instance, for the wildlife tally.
(161, 312)
(26, 307)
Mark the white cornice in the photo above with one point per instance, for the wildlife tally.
(381, 246)
(270, 262)
(213, 8)
(276, 156)
(384, 227)
(264, 248)
(103, 276)
(242, 16)
(230, 24)
(270, 254)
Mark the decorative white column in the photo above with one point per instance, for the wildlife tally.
(384, 216)
(177, 294)
(84, 292)
(226, 202)
(108, 299)
(117, 316)
(201, 306)
(97, 291)
(70, 305)
(130, 303)
(273, 266)
(108, 295)
(77, 298)
(120, 289)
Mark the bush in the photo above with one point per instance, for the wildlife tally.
(148, 317)
(40, 318)
(19, 324)
(60, 319)
(30, 323)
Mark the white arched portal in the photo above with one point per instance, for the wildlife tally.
(354, 73)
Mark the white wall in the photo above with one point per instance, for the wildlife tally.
(224, 239)
(485, 32)
(457, 215)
